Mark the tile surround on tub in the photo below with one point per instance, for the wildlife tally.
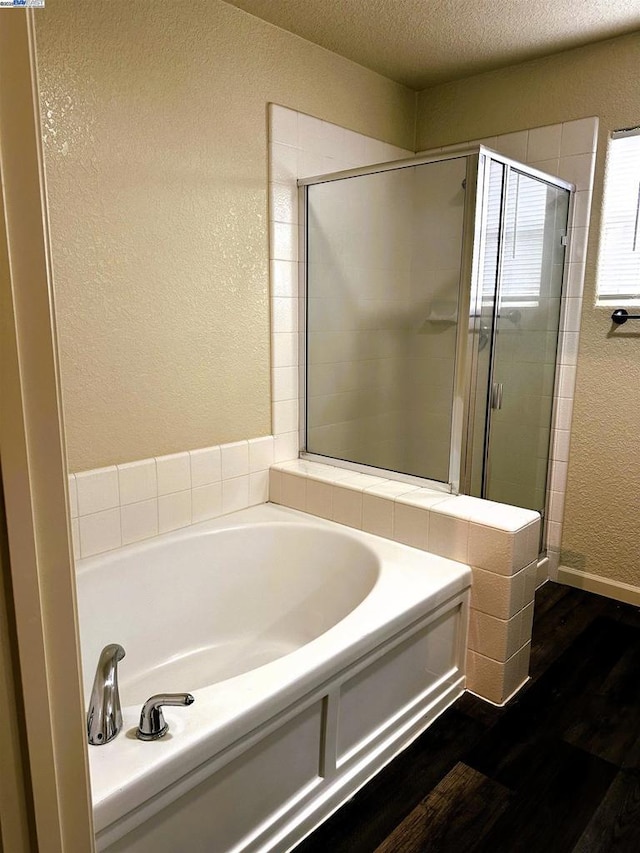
(116, 506)
(499, 542)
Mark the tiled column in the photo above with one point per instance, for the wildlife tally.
(499, 542)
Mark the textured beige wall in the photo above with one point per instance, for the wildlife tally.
(601, 514)
(156, 158)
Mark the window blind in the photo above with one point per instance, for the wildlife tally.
(619, 261)
(523, 253)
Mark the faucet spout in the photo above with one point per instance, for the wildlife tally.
(104, 717)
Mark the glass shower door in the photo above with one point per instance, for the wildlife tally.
(523, 356)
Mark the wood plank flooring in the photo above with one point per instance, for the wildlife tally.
(556, 771)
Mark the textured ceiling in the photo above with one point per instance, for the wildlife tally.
(424, 42)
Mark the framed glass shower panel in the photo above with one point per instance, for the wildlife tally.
(384, 257)
(527, 319)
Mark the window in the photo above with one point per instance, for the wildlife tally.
(619, 261)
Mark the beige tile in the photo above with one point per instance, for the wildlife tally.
(516, 671)
(542, 574)
(526, 624)
(284, 383)
(286, 446)
(377, 515)
(205, 466)
(285, 416)
(75, 537)
(97, 490)
(575, 279)
(530, 581)
(513, 144)
(319, 499)
(424, 498)
(485, 677)
(206, 502)
(495, 638)
(581, 213)
(556, 506)
(532, 533)
(411, 526)
(498, 595)
(100, 531)
(347, 506)
(578, 169)
(174, 473)
(260, 454)
(174, 511)
(579, 137)
(502, 552)
(362, 481)
(448, 536)
(235, 494)
(284, 349)
(554, 562)
(550, 166)
(283, 241)
(544, 143)
(283, 202)
(494, 680)
(234, 459)
(283, 163)
(284, 278)
(293, 491)
(139, 521)
(283, 125)
(491, 549)
(391, 489)
(275, 486)
(284, 316)
(137, 481)
(73, 496)
(258, 487)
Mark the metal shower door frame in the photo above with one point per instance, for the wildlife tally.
(465, 392)
(486, 156)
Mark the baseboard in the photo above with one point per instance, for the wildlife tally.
(602, 586)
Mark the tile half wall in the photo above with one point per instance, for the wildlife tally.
(498, 541)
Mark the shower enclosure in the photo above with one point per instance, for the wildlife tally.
(433, 295)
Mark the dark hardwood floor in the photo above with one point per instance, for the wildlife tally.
(558, 769)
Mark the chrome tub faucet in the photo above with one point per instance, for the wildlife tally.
(104, 717)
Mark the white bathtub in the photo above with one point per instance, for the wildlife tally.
(315, 653)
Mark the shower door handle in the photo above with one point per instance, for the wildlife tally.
(496, 395)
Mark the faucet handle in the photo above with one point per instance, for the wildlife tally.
(152, 723)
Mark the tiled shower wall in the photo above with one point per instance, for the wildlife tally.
(300, 147)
